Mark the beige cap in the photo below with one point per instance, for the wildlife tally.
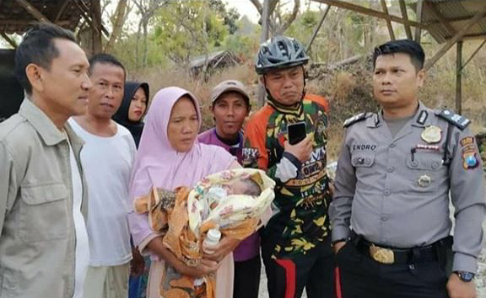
(227, 86)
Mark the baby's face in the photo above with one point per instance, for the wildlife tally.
(238, 188)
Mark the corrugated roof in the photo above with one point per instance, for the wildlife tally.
(456, 13)
(66, 13)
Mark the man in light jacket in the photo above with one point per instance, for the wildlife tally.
(44, 251)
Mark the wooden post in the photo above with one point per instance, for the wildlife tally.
(418, 31)
(61, 11)
(263, 38)
(96, 29)
(9, 40)
(388, 22)
(473, 54)
(459, 77)
(403, 9)
(316, 30)
(33, 11)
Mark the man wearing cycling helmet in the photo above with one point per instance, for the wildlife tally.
(296, 243)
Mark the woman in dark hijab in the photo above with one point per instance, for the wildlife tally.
(130, 114)
(133, 108)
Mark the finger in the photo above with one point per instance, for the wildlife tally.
(208, 263)
(210, 267)
(209, 250)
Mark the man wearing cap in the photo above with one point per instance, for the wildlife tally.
(396, 172)
(296, 242)
(230, 105)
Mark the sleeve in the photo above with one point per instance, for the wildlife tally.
(322, 101)
(255, 154)
(8, 183)
(140, 229)
(467, 195)
(345, 186)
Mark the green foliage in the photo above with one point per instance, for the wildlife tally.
(187, 28)
(125, 51)
(230, 17)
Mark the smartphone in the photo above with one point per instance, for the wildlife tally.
(296, 132)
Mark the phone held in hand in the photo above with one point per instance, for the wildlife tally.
(296, 132)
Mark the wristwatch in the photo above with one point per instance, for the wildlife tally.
(465, 276)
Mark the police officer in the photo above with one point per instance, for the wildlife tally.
(396, 171)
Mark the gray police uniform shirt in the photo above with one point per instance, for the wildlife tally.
(394, 191)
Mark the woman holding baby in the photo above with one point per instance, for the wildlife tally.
(169, 156)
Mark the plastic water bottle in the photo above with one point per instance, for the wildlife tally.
(212, 239)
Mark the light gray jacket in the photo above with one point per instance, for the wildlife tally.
(37, 242)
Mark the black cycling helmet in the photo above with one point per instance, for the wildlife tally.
(280, 52)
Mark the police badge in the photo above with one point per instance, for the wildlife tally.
(432, 134)
(424, 181)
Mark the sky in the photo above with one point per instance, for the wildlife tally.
(244, 7)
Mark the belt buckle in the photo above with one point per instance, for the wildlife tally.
(382, 255)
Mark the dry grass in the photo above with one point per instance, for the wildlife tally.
(348, 90)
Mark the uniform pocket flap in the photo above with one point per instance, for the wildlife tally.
(40, 194)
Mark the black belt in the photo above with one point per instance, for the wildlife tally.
(390, 255)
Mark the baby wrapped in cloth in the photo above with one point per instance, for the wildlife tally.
(232, 201)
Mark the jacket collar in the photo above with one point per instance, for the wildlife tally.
(47, 130)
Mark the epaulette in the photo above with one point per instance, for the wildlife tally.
(356, 119)
(457, 120)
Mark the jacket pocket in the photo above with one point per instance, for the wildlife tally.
(43, 213)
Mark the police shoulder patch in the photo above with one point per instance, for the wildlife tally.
(356, 119)
(455, 119)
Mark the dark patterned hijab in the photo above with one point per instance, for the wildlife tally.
(121, 116)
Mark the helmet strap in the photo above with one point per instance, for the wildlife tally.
(288, 109)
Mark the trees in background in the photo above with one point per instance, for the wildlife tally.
(278, 21)
(184, 29)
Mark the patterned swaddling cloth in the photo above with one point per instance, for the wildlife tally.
(184, 216)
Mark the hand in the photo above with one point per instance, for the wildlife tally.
(137, 264)
(301, 150)
(220, 251)
(338, 245)
(204, 268)
(331, 187)
(460, 289)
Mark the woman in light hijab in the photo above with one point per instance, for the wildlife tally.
(133, 108)
(170, 156)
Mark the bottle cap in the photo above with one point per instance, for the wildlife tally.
(214, 235)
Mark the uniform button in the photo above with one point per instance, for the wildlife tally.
(392, 145)
(390, 169)
(386, 192)
(435, 165)
(414, 164)
(384, 218)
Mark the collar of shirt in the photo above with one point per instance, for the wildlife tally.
(422, 118)
(47, 130)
